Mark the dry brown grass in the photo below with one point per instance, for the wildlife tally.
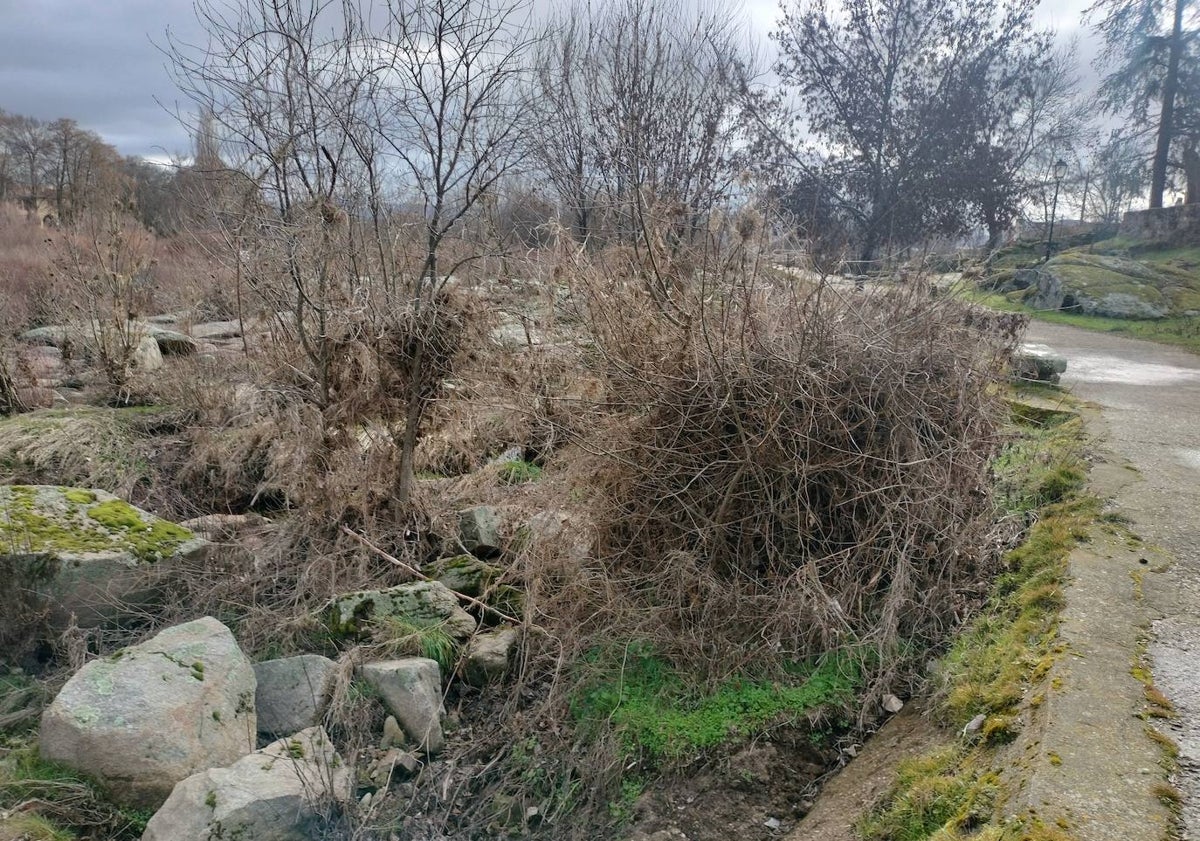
(179, 273)
(779, 469)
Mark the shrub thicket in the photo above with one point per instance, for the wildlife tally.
(790, 468)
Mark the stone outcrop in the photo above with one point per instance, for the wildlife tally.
(85, 552)
(293, 692)
(411, 688)
(479, 531)
(1107, 285)
(465, 574)
(83, 337)
(284, 792)
(155, 713)
(423, 604)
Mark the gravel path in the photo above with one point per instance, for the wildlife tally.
(1149, 398)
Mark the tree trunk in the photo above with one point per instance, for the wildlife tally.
(1166, 123)
(1191, 170)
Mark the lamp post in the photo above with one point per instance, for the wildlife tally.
(1060, 170)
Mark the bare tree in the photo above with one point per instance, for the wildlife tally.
(1031, 117)
(331, 123)
(29, 144)
(639, 115)
(1116, 174)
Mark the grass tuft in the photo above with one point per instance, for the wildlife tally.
(657, 714)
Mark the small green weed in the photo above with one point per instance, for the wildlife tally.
(621, 809)
(518, 472)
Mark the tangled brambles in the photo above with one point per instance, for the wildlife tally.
(789, 470)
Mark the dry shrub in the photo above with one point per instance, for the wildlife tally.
(789, 469)
(324, 446)
(24, 269)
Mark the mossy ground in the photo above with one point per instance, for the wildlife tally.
(66, 798)
(996, 664)
(87, 446)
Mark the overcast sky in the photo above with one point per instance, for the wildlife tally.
(95, 61)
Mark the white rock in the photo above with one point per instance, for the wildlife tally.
(411, 687)
(147, 356)
(280, 793)
(155, 713)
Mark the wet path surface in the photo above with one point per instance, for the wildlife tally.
(1149, 396)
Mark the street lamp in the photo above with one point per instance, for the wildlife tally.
(1060, 171)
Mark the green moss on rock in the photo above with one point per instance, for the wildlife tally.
(61, 522)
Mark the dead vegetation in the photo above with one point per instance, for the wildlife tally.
(745, 473)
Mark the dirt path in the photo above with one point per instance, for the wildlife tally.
(1149, 400)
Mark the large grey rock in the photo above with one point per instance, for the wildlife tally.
(211, 330)
(1106, 285)
(172, 342)
(284, 792)
(425, 604)
(293, 692)
(567, 535)
(411, 688)
(479, 531)
(54, 335)
(85, 552)
(1038, 362)
(155, 713)
(488, 655)
(84, 335)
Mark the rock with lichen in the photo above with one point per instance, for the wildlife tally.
(141, 720)
(86, 554)
(284, 792)
(419, 604)
(464, 574)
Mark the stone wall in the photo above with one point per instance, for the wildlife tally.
(1178, 225)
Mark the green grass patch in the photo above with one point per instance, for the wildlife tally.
(1042, 462)
(1183, 331)
(1010, 644)
(1009, 647)
(939, 795)
(518, 472)
(657, 714)
(402, 637)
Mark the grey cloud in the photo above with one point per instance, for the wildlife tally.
(95, 61)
